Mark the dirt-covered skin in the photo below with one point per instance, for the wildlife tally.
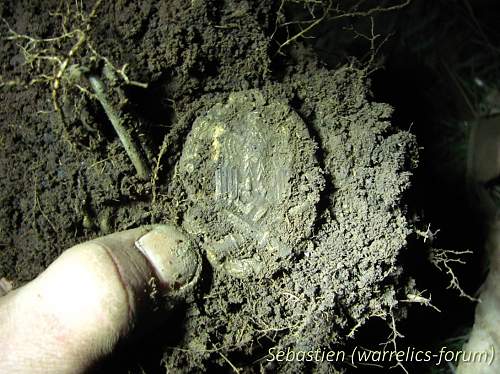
(292, 186)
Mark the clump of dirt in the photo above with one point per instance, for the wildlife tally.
(294, 194)
(292, 183)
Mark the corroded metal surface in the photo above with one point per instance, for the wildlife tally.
(249, 170)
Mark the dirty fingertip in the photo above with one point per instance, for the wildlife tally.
(172, 256)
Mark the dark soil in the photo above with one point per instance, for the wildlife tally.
(287, 173)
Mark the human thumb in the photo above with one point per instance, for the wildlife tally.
(91, 297)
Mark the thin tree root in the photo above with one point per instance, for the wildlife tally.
(117, 120)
